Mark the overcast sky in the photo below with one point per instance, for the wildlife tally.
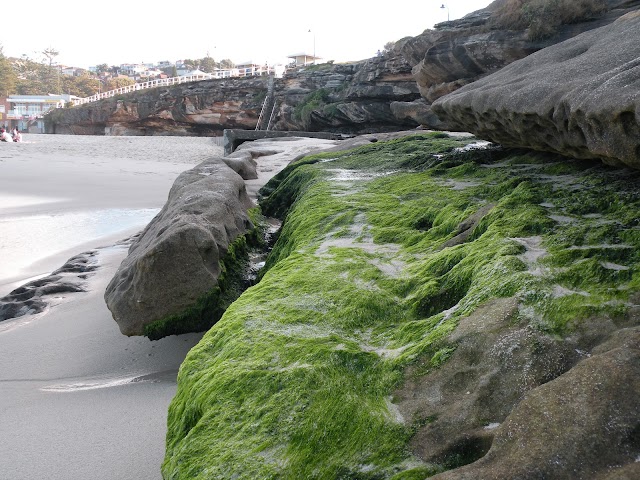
(88, 33)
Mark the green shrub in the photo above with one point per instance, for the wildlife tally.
(314, 101)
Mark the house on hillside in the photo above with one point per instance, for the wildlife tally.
(249, 68)
(133, 69)
(71, 71)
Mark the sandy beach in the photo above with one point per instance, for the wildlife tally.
(78, 399)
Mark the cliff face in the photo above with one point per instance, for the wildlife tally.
(200, 108)
(371, 96)
(390, 92)
(376, 95)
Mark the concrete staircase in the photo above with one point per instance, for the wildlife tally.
(267, 113)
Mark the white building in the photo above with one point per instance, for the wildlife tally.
(26, 111)
(303, 59)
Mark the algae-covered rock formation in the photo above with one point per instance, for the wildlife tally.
(577, 98)
(183, 269)
(429, 309)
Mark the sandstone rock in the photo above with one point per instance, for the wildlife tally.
(242, 163)
(357, 97)
(461, 51)
(579, 98)
(583, 425)
(493, 366)
(176, 259)
(202, 108)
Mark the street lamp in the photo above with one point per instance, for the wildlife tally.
(314, 46)
(443, 6)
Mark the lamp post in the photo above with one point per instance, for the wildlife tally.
(314, 45)
(443, 6)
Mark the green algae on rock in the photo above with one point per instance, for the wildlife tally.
(386, 254)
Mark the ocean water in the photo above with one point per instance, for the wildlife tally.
(79, 400)
(28, 240)
(61, 195)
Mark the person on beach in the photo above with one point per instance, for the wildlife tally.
(4, 136)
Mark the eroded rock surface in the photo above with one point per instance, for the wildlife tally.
(202, 108)
(584, 424)
(580, 98)
(513, 402)
(176, 259)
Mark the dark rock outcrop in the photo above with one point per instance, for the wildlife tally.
(34, 296)
(177, 260)
(376, 95)
(580, 98)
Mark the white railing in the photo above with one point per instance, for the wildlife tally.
(166, 82)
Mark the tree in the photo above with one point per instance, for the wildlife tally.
(82, 86)
(207, 64)
(113, 83)
(31, 76)
(53, 81)
(226, 63)
(8, 78)
(190, 64)
(102, 68)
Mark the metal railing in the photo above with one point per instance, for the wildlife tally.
(167, 82)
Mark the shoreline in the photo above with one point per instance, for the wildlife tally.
(80, 399)
(83, 400)
(65, 374)
(63, 194)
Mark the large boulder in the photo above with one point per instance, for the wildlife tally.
(579, 98)
(176, 262)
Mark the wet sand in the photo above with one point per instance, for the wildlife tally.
(61, 192)
(78, 399)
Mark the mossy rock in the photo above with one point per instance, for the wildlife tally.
(364, 286)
